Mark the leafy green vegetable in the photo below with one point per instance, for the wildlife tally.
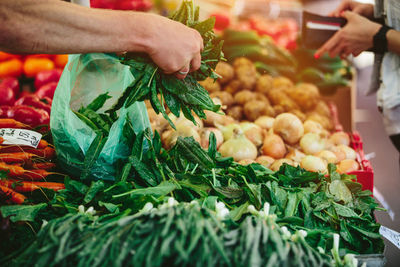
(21, 212)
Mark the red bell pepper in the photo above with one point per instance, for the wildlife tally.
(222, 21)
(4, 111)
(47, 76)
(47, 90)
(7, 96)
(29, 115)
(12, 83)
(36, 102)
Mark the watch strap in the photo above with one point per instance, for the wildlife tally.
(380, 40)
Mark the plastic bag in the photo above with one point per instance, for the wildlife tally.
(84, 78)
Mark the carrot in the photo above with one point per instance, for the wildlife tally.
(1, 140)
(11, 123)
(47, 152)
(16, 148)
(13, 170)
(43, 165)
(19, 157)
(23, 187)
(11, 195)
(18, 172)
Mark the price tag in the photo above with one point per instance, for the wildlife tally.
(390, 235)
(20, 137)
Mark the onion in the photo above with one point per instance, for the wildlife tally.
(253, 132)
(227, 131)
(295, 155)
(265, 122)
(311, 143)
(340, 138)
(289, 127)
(205, 137)
(340, 155)
(347, 165)
(246, 162)
(278, 163)
(274, 146)
(327, 155)
(238, 147)
(312, 127)
(314, 164)
(266, 161)
(182, 121)
(183, 130)
(214, 119)
(348, 151)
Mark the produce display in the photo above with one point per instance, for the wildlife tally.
(241, 167)
(270, 121)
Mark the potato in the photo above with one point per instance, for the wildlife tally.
(233, 87)
(243, 97)
(282, 83)
(225, 97)
(226, 72)
(210, 85)
(247, 75)
(255, 109)
(242, 61)
(264, 84)
(306, 96)
(262, 97)
(236, 112)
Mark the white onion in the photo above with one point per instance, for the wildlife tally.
(227, 131)
(327, 155)
(312, 127)
(266, 161)
(238, 147)
(278, 163)
(314, 164)
(289, 127)
(265, 122)
(205, 137)
(347, 165)
(253, 132)
(246, 162)
(348, 151)
(311, 143)
(340, 138)
(295, 155)
(183, 130)
(274, 146)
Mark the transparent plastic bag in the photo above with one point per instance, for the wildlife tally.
(84, 78)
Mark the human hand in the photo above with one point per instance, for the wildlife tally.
(366, 10)
(354, 38)
(174, 47)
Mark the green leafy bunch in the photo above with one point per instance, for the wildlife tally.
(161, 89)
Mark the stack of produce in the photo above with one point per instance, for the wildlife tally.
(29, 108)
(300, 65)
(24, 169)
(270, 121)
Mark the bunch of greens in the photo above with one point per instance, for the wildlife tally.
(171, 235)
(186, 95)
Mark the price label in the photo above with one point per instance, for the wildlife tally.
(390, 235)
(20, 137)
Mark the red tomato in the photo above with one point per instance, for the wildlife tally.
(222, 21)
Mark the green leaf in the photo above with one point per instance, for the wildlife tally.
(92, 154)
(99, 102)
(94, 188)
(109, 206)
(205, 26)
(22, 212)
(237, 213)
(163, 189)
(341, 192)
(345, 211)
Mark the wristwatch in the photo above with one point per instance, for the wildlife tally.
(380, 40)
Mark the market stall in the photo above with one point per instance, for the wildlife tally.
(252, 160)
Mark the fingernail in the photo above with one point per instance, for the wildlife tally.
(317, 56)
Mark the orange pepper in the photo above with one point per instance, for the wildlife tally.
(33, 66)
(6, 56)
(38, 56)
(60, 61)
(11, 68)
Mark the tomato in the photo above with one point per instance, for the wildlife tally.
(60, 61)
(32, 66)
(11, 68)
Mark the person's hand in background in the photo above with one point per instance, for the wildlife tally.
(174, 47)
(365, 10)
(354, 38)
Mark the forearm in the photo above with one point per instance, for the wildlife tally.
(52, 26)
(393, 38)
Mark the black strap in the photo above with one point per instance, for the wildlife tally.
(380, 41)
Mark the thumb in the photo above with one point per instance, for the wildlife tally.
(349, 15)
